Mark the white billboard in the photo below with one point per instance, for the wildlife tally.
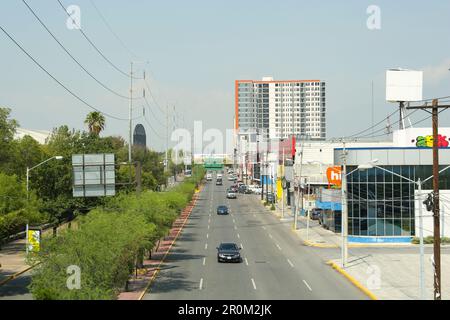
(93, 175)
(403, 85)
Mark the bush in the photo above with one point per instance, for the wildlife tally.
(107, 244)
(430, 240)
(104, 247)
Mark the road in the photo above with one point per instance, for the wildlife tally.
(17, 289)
(275, 263)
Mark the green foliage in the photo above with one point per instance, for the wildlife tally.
(7, 130)
(430, 240)
(95, 122)
(104, 247)
(107, 244)
(15, 210)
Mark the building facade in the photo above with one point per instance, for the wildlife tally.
(281, 108)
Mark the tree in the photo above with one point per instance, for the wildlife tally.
(95, 122)
(7, 131)
(27, 153)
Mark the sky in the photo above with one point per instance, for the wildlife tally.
(193, 51)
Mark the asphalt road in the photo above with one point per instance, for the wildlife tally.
(17, 289)
(275, 263)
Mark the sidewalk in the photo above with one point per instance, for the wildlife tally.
(388, 271)
(12, 259)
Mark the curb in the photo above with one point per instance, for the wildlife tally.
(318, 245)
(15, 275)
(355, 282)
(142, 294)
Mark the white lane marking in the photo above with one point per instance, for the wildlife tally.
(289, 261)
(204, 261)
(207, 235)
(242, 246)
(234, 221)
(246, 261)
(254, 284)
(201, 284)
(278, 246)
(206, 246)
(208, 226)
(238, 235)
(307, 285)
(270, 235)
(235, 228)
(264, 227)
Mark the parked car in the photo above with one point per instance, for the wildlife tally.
(231, 194)
(271, 197)
(315, 214)
(242, 188)
(228, 252)
(222, 209)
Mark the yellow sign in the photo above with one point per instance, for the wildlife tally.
(34, 240)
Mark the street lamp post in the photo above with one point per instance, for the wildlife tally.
(419, 184)
(29, 169)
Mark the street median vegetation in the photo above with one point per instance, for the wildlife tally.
(107, 244)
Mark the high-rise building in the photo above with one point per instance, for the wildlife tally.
(281, 108)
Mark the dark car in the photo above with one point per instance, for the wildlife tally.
(315, 214)
(222, 209)
(218, 182)
(228, 252)
(242, 188)
(270, 198)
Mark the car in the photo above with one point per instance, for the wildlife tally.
(231, 194)
(209, 177)
(270, 198)
(228, 252)
(243, 189)
(222, 209)
(219, 182)
(231, 178)
(315, 214)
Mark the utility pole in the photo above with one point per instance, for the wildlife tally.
(422, 253)
(176, 151)
(436, 231)
(282, 187)
(344, 213)
(130, 114)
(166, 162)
(436, 215)
(299, 185)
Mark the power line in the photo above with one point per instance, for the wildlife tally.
(151, 111)
(56, 80)
(151, 94)
(94, 46)
(112, 31)
(71, 56)
(154, 131)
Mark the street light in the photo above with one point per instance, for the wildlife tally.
(29, 169)
(419, 184)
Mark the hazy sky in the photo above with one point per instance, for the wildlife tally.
(196, 49)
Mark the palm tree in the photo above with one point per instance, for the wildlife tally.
(95, 122)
